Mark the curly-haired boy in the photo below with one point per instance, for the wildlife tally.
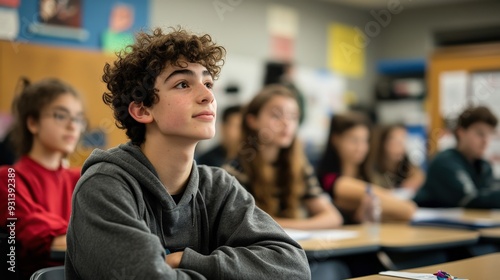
(145, 210)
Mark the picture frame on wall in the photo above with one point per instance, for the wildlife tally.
(66, 13)
(61, 19)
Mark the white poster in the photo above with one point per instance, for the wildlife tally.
(453, 87)
(9, 22)
(282, 21)
(324, 95)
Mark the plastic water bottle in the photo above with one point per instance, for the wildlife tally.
(372, 211)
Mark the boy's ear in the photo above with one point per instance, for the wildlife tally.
(252, 121)
(32, 125)
(140, 113)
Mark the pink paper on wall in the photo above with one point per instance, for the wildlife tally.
(10, 3)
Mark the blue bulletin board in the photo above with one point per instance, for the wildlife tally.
(94, 21)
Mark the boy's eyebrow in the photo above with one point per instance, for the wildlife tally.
(185, 72)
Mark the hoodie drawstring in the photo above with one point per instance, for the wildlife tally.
(199, 202)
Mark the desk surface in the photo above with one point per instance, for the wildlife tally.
(490, 234)
(457, 217)
(392, 237)
(481, 215)
(484, 267)
(364, 242)
(404, 238)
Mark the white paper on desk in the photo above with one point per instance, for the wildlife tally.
(409, 275)
(429, 214)
(327, 234)
(452, 216)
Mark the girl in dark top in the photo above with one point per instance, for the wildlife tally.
(345, 174)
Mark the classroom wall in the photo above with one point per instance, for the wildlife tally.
(243, 30)
(410, 34)
(80, 68)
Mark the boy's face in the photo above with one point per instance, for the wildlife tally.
(186, 106)
(475, 138)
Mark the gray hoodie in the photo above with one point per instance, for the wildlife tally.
(123, 221)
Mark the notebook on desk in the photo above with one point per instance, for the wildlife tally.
(456, 218)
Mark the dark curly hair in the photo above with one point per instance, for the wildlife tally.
(132, 76)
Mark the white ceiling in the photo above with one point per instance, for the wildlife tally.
(377, 4)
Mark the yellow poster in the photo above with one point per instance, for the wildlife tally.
(346, 50)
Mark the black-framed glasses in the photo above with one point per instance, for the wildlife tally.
(64, 118)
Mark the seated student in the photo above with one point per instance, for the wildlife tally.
(145, 209)
(459, 177)
(273, 167)
(230, 136)
(48, 123)
(345, 174)
(392, 167)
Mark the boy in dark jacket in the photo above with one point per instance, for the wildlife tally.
(459, 177)
(145, 210)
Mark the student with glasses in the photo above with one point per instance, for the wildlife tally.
(49, 121)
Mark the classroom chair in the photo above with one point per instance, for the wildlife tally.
(49, 273)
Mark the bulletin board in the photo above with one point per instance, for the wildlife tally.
(82, 69)
(456, 79)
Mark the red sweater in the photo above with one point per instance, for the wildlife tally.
(42, 208)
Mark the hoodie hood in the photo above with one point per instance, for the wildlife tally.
(132, 160)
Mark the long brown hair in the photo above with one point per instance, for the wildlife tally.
(331, 161)
(275, 186)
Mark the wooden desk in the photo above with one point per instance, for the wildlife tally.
(398, 238)
(361, 244)
(490, 235)
(480, 215)
(458, 218)
(483, 267)
(402, 238)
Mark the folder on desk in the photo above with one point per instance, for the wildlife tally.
(455, 217)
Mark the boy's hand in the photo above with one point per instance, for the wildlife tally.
(174, 259)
